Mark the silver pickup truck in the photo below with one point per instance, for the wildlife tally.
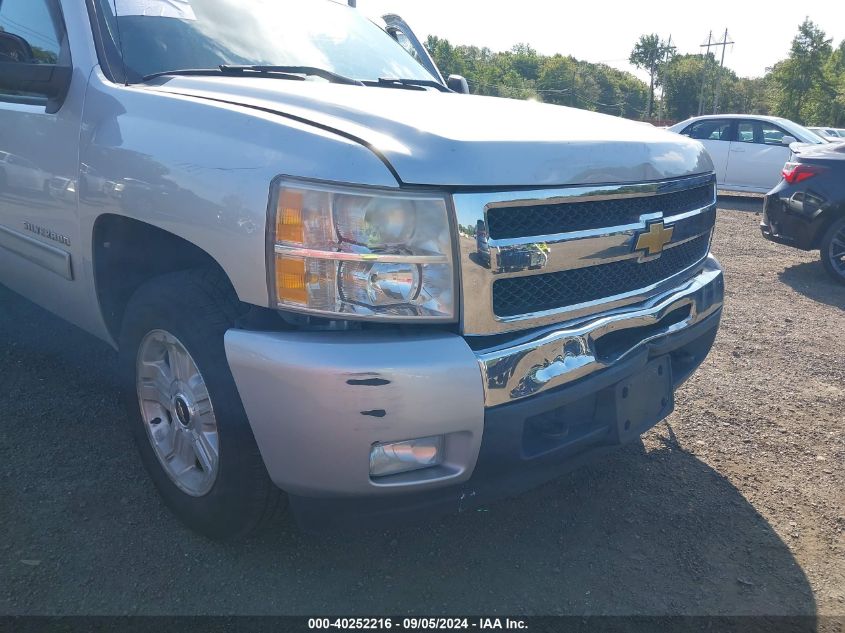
(334, 281)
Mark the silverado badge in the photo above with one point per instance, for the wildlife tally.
(654, 239)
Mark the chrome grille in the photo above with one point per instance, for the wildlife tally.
(549, 219)
(539, 293)
(535, 258)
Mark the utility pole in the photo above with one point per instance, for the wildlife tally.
(704, 73)
(724, 45)
(663, 84)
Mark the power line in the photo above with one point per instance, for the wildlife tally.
(704, 74)
(567, 91)
(706, 63)
(30, 32)
(663, 87)
(724, 46)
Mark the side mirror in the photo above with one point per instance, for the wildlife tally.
(14, 48)
(788, 140)
(459, 84)
(19, 72)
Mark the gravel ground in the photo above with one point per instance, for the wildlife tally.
(734, 505)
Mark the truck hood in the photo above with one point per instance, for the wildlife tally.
(452, 140)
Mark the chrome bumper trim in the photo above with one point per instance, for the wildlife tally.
(560, 356)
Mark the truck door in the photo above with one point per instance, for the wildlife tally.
(39, 228)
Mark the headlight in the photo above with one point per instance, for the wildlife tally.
(339, 251)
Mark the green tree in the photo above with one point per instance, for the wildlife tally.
(42, 56)
(808, 86)
(682, 79)
(799, 80)
(557, 80)
(747, 95)
(523, 73)
(650, 54)
(828, 106)
(526, 61)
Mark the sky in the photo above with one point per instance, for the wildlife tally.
(605, 31)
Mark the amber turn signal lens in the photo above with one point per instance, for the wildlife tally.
(289, 226)
(292, 280)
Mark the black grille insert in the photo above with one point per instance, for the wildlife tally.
(524, 295)
(550, 219)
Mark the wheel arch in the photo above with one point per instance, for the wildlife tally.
(126, 253)
(825, 222)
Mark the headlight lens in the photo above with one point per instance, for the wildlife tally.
(345, 252)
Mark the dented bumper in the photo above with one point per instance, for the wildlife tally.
(512, 416)
(318, 401)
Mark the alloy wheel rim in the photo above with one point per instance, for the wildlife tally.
(177, 413)
(836, 253)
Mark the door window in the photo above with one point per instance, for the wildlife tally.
(32, 21)
(405, 42)
(748, 132)
(709, 130)
(35, 34)
(760, 133)
(772, 134)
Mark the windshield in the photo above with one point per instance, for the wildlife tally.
(811, 136)
(801, 133)
(154, 36)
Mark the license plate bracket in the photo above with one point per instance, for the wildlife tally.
(642, 400)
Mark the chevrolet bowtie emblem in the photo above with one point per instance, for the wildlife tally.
(655, 239)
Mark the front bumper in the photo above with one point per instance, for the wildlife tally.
(318, 401)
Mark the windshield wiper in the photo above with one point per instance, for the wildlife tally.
(207, 72)
(408, 84)
(293, 73)
(311, 71)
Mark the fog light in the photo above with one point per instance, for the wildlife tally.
(402, 457)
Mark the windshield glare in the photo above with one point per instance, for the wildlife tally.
(201, 34)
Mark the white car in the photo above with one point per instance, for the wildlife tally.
(832, 134)
(749, 151)
(17, 172)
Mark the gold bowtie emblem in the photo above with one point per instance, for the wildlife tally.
(655, 239)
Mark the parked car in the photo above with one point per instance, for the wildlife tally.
(21, 174)
(748, 151)
(62, 188)
(827, 133)
(807, 209)
(336, 281)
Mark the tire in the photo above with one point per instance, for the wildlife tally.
(833, 250)
(224, 496)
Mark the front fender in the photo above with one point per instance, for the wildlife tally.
(202, 170)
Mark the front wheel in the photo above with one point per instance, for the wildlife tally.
(184, 410)
(833, 250)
